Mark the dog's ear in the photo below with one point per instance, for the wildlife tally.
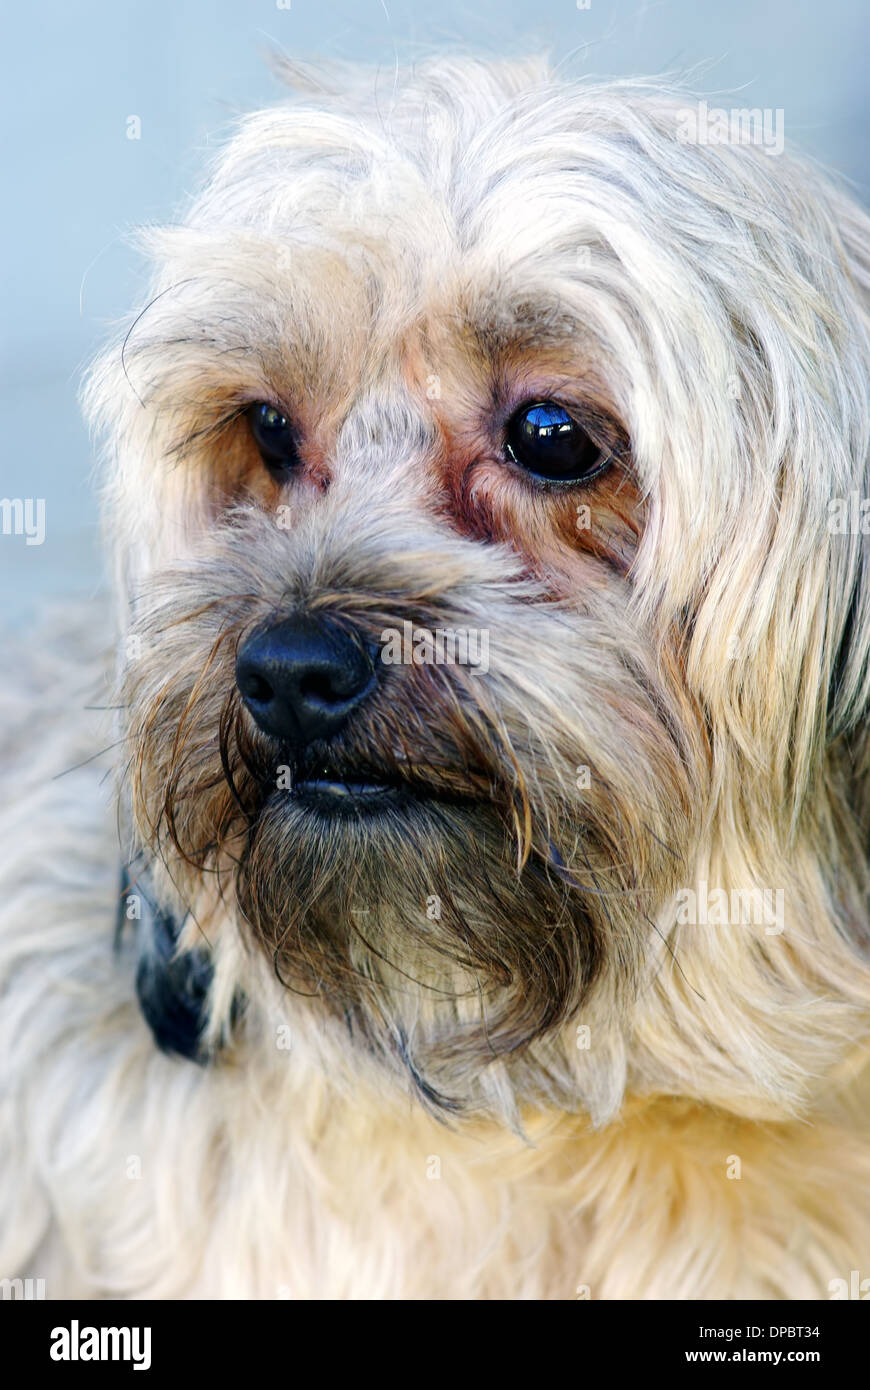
(846, 697)
(778, 577)
(848, 521)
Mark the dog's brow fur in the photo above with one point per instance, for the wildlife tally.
(675, 705)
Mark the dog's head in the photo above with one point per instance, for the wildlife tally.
(471, 481)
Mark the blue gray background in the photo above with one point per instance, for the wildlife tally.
(75, 185)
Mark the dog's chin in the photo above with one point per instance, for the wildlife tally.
(366, 838)
(396, 900)
(394, 843)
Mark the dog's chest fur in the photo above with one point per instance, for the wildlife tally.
(143, 1175)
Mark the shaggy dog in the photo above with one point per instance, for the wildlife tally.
(483, 479)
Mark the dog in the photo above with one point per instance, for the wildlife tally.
(481, 911)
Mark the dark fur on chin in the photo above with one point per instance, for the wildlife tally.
(471, 921)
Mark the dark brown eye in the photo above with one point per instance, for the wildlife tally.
(549, 443)
(273, 435)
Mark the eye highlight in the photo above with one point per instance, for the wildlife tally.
(545, 440)
(273, 435)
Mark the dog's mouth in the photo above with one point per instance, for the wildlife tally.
(337, 791)
(335, 786)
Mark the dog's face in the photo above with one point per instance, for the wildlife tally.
(516, 367)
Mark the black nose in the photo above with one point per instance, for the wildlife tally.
(303, 678)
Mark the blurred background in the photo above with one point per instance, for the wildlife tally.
(76, 184)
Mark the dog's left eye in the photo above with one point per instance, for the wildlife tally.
(273, 435)
(549, 443)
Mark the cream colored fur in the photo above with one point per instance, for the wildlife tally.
(714, 1140)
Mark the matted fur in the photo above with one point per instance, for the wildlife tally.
(403, 1103)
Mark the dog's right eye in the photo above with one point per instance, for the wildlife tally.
(273, 435)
